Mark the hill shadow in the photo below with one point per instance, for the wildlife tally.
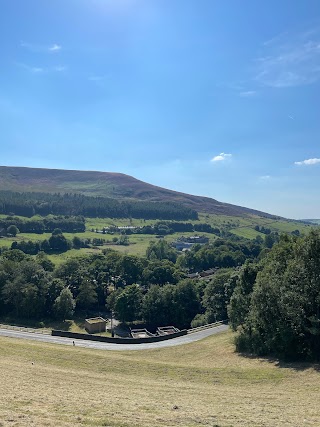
(283, 364)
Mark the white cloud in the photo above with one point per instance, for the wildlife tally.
(248, 93)
(40, 70)
(31, 69)
(96, 78)
(34, 47)
(54, 48)
(265, 177)
(290, 60)
(60, 68)
(36, 69)
(308, 162)
(221, 157)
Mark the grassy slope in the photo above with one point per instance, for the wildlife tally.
(107, 184)
(200, 384)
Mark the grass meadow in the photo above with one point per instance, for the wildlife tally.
(201, 384)
(242, 227)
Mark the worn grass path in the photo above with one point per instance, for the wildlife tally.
(199, 384)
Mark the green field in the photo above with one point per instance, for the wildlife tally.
(242, 227)
(201, 384)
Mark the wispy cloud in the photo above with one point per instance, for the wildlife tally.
(36, 69)
(96, 78)
(308, 162)
(265, 177)
(54, 48)
(41, 70)
(248, 93)
(30, 68)
(39, 48)
(221, 157)
(290, 60)
(60, 68)
(100, 80)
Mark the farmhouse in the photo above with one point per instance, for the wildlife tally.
(197, 239)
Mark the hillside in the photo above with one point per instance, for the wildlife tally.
(110, 184)
(199, 384)
(311, 221)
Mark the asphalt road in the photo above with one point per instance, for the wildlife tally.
(195, 336)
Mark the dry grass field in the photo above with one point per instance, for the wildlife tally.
(200, 384)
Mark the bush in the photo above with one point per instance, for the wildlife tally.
(199, 320)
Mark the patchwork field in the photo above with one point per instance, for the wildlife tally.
(138, 243)
(200, 384)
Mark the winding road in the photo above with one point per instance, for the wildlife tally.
(185, 339)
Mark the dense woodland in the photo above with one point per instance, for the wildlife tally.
(276, 308)
(30, 285)
(30, 204)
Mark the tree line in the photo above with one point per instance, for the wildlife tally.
(30, 204)
(166, 227)
(67, 224)
(30, 285)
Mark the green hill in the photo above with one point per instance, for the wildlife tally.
(110, 184)
(311, 221)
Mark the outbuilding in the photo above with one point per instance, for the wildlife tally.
(95, 324)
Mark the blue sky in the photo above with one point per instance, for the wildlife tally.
(214, 98)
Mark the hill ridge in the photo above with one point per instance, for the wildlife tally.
(110, 184)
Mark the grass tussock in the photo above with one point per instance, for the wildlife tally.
(200, 384)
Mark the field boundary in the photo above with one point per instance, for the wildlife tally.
(25, 329)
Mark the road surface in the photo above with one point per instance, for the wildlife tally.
(185, 339)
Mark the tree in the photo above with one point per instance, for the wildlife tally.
(239, 306)
(217, 295)
(283, 319)
(26, 292)
(44, 261)
(87, 296)
(15, 255)
(64, 304)
(161, 250)
(158, 307)
(58, 243)
(13, 230)
(56, 232)
(123, 240)
(130, 268)
(76, 242)
(129, 303)
(171, 304)
(160, 273)
(187, 304)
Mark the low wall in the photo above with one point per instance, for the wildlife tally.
(207, 326)
(117, 340)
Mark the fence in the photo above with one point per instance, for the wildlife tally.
(208, 326)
